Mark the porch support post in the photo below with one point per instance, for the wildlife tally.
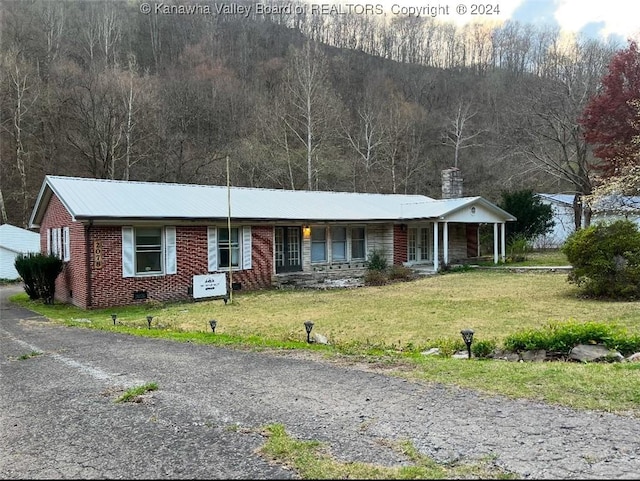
(445, 243)
(495, 242)
(436, 248)
(503, 240)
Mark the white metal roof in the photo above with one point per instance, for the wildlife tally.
(87, 198)
(19, 240)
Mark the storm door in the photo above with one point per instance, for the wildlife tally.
(288, 249)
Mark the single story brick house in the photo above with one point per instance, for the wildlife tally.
(124, 242)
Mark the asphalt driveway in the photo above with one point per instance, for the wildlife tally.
(58, 419)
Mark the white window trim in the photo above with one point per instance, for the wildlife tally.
(244, 249)
(168, 254)
(58, 243)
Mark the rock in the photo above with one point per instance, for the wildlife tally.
(634, 357)
(594, 353)
(501, 355)
(320, 339)
(461, 355)
(434, 351)
(536, 356)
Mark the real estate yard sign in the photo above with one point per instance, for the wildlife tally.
(209, 285)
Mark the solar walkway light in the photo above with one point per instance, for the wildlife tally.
(114, 317)
(149, 319)
(467, 335)
(308, 325)
(213, 324)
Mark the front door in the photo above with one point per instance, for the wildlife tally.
(288, 249)
(419, 244)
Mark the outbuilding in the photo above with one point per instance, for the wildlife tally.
(13, 242)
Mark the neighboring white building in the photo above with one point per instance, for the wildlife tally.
(15, 241)
(563, 216)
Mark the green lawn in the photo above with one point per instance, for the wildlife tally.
(389, 325)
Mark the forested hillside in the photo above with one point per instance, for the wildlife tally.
(296, 100)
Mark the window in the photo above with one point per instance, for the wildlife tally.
(228, 248)
(358, 248)
(58, 243)
(226, 251)
(148, 248)
(318, 244)
(338, 243)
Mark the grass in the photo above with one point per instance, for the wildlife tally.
(542, 258)
(29, 355)
(134, 393)
(312, 460)
(390, 325)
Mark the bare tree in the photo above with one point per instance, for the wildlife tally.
(459, 134)
(366, 135)
(97, 123)
(23, 90)
(552, 138)
(312, 104)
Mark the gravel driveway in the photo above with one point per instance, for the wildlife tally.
(58, 418)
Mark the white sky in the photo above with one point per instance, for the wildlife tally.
(620, 17)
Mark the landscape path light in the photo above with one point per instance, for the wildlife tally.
(467, 335)
(213, 323)
(308, 325)
(149, 319)
(114, 317)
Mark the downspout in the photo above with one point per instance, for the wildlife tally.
(88, 263)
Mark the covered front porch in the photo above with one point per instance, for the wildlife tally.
(447, 231)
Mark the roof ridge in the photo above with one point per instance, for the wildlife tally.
(272, 189)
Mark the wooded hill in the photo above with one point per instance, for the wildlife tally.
(351, 102)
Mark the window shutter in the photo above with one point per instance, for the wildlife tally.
(66, 244)
(128, 252)
(171, 265)
(212, 248)
(246, 247)
(48, 241)
(58, 242)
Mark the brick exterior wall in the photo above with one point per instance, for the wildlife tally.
(108, 288)
(399, 244)
(71, 285)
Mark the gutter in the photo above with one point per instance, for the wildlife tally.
(88, 262)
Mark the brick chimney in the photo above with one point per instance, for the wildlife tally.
(451, 183)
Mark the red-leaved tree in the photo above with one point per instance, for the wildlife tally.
(610, 119)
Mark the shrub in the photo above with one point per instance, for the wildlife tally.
(399, 273)
(39, 273)
(606, 260)
(519, 248)
(562, 337)
(375, 278)
(483, 348)
(377, 261)
(448, 347)
(25, 264)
